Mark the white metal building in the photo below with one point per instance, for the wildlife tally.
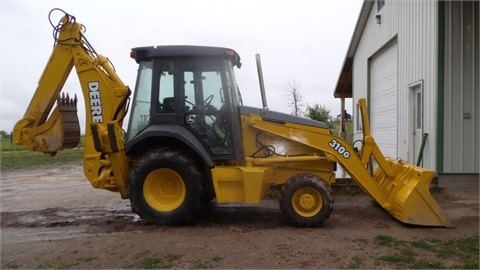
(418, 65)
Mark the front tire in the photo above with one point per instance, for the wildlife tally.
(166, 187)
(305, 200)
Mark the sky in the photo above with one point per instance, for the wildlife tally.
(301, 41)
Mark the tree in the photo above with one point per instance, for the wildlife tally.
(319, 113)
(295, 99)
(4, 134)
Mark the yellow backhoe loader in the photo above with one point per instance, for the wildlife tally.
(190, 140)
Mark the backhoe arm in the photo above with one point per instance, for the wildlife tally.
(47, 129)
(35, 130)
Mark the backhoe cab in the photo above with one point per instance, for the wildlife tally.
(187, 95)
(190, 140)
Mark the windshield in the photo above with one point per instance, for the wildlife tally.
(140, 115)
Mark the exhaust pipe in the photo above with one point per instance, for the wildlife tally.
(260, 79)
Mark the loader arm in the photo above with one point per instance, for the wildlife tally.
(47, 128)
(400, 188)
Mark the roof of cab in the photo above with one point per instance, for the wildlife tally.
(143, 53)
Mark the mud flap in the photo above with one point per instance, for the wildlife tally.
(408, 198)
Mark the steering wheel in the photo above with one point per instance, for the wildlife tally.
(207, 101)
(205, 106)
(189, 102)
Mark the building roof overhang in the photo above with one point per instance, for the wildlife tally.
(343, 89)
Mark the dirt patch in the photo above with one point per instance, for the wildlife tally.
(53, 218)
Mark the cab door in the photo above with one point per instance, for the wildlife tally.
(209, 110)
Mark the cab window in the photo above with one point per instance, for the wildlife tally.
(140, 115)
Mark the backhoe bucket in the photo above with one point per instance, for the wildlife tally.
(408, 198)
(60, 131)
(71, 128)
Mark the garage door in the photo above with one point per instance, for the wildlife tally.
(383, 100)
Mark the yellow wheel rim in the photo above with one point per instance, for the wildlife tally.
(164, 190)
(307, 202)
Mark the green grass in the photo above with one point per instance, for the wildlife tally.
(335, 129)
(199, 264)
(18, 157)
(151, 263)
(428, 265)
(356, 262)
(386, 240)
(425, 244)
(6, 144)
(167, 262)
(405, 256)
(27, 159)
(409, 254)
(175, 261)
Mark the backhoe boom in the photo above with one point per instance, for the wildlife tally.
(47, 129)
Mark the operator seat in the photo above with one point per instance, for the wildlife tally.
(169, 104)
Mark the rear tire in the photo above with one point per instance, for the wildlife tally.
(166, 187)
(305, 200)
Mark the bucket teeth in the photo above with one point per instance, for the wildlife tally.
(64, 102)
(71, 129)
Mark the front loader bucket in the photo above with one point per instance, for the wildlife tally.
(408, 198)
